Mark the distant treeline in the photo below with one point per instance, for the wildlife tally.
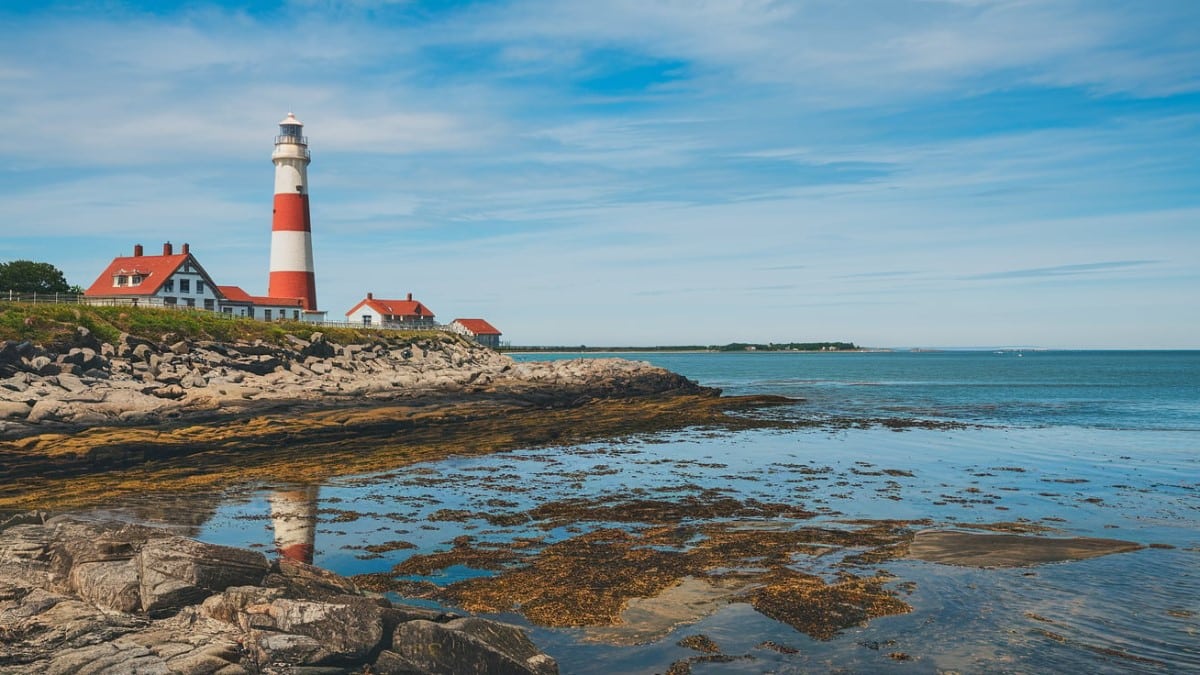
(788, 347)
(731, 347)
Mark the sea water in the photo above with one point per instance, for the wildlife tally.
(1099, 444)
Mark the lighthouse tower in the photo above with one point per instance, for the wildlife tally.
(291, 232)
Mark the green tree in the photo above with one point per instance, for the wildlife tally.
(26, 276)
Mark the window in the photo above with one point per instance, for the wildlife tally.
(135, 280)
(199, 286)
(185, 285)
(266, 315)
(169, 286)
(191, 302)
(224, 310)
(366, 319)
(209, 303)
(296, 314)
(170, 300)
(120, 280)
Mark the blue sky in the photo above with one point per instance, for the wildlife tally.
(923, 173)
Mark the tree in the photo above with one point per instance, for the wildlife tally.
(26, 276)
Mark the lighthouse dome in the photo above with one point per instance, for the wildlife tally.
(291, 120)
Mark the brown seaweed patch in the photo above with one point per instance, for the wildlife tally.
(389, 546)
(706, 505)
(819, 609)
(1009, 550)
(701, 643)
(631, 579)
(463, 552)
(582, 581)
(777, 647)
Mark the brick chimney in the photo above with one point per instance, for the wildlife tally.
(186, 249)
(370, 296)
(410, 297)
(168, 249)
(137, 250)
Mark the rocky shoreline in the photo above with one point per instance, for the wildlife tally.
(107, 597)
(141, 382)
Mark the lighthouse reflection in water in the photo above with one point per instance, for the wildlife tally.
(294, 519)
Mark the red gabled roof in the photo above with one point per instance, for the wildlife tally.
(156, 269)
(395, 308)
(478, 326)
(236, 294)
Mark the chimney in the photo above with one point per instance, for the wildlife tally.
(186, 249)
(370, 296)
(410, 297)
(137, 250)
(167, 249)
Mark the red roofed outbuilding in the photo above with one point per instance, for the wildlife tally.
(240, 303)
(407, 313)
(481, 331)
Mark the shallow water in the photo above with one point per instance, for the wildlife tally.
(1072, 442)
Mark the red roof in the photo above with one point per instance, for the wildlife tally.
(409, 308)
(236, 294)
(477, 326)
(155, 268)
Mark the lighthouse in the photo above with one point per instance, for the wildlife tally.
(291, 231)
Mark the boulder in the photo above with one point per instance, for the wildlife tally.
(347, 630)
(176, 572)
(470, 645)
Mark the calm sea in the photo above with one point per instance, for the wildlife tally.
(1101, 389)
(1100, 444)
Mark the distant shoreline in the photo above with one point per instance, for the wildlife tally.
(814, 347)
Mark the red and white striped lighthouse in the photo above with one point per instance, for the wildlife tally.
(291, 231)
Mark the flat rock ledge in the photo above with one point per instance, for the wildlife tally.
(103, 598)
(141, 382)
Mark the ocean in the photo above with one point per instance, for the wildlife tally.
(1050, 444)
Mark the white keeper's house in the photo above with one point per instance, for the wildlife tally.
(178, 280)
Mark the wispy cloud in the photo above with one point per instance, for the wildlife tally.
(1066, 270)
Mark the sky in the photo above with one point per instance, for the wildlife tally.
(923, 173)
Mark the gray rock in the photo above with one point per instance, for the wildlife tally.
(390, 663)
(470, 645)
(347, 630)
(177, 572)
(17, 409)
(71, 383)
(171, 391)
(112, 584)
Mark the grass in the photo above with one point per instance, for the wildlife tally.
(54, 326)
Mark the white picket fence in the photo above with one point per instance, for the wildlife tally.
(157, 303)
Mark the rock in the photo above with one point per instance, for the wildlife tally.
(181, 347)
(43, 365)
(71, 383)
(171, 391)
(110, 584)
(470, 645)
(143, 352)
(307, 624)
(347, 631)
(176, 572)
(18, 409)
(85, 339)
